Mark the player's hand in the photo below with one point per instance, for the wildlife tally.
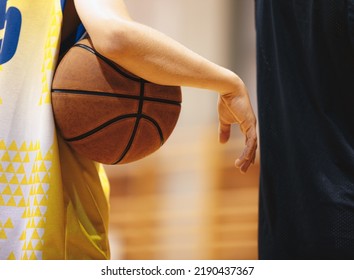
(235, 108)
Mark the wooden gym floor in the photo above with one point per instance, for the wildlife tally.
(184, 203)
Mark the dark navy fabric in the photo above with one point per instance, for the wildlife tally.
(305, 76)
(78, 34)
(62, 3)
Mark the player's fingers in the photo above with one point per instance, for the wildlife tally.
(249, 153)
(245, 166)
(243, 163)
(247, 163)
(224, 132)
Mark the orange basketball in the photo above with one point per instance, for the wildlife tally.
(108, 114)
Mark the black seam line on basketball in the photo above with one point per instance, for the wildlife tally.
(102, 126)
(155, 123)
(159, 130)
(137, 121)
(93, 131)
(109, 62)
(116, 95)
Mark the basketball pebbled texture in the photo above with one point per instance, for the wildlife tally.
(106, 113)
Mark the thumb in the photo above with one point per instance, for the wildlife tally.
(224, 132)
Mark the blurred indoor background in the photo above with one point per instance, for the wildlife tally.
(188, 201)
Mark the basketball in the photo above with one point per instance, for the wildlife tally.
(107, 114)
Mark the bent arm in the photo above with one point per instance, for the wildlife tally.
(148, 53)
(157, 58)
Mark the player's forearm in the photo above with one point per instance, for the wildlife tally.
(148, 53)
(157, 58)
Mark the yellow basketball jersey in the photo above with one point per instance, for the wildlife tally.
(53, 203)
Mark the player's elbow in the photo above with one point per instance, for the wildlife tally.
(113, 41)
